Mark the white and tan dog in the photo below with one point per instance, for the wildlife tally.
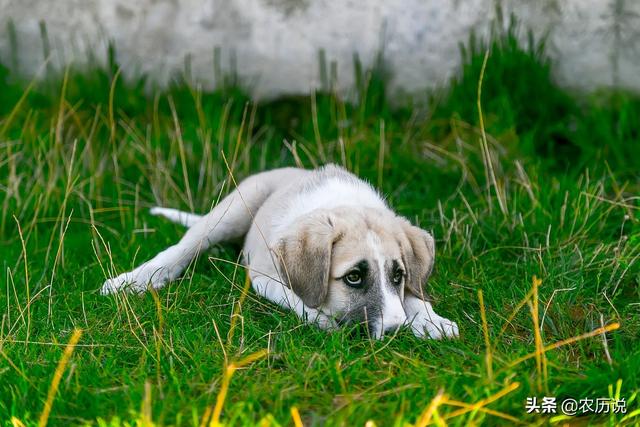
(322, 243)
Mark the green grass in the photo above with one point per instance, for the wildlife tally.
(83, 156)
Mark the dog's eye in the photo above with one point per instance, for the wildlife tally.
(397, 277)
(353, 279)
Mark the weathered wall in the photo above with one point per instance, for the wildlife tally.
(274, 45)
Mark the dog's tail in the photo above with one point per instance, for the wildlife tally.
(179, 217)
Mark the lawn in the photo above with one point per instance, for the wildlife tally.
(534, 201)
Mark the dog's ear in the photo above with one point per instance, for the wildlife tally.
(305, 257)
(418, 254)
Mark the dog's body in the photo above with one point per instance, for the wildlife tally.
(322, 243)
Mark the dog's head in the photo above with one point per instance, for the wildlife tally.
(357, 265)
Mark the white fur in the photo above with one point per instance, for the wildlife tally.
(393, 314)
(276, 292)
(263, 209)
(329, 194)
(425, 322)
(183, 218)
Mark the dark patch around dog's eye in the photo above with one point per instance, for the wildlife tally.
(353, 279)
(395, 273)
(366, 299)
(357, 276)
(363, 266)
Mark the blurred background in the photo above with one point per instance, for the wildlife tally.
(277, 47)
(561, 84)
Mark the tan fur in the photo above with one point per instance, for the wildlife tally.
(399, 238)
(323, 247)
(306, 235)
(305, 257)
(418, 256)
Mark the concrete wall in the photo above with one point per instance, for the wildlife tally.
(274, 45)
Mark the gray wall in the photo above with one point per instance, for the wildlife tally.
(274, 45)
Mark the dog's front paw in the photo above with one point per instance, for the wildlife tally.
(123, 282)
(325, 322)
(435, 328)
(135, 281)
(318, 318)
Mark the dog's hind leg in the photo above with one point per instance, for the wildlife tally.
(229, 220)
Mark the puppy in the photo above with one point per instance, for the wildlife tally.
(322, 243)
